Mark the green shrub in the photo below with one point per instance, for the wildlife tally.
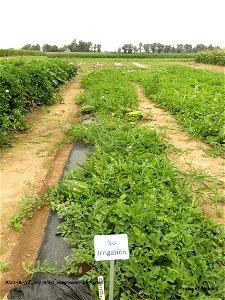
(25, 84)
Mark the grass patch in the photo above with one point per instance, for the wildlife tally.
(26, 208)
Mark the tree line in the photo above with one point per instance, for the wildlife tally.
(161, 48)
(82, 46)
(74, 46)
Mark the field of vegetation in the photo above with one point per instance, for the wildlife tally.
(20, 52)
(194, 96)
(128, 184)
(188, 56)
(25, 84)
(211, 57)
(216, 57)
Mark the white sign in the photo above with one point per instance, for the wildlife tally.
(111, 247)
(101, 290)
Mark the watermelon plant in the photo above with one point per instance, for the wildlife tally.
(130, 186)
(195, 97)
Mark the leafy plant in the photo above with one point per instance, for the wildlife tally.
(195, 97)
(3, 267)
(25, 84)
(211, 57)
(175, 251)
(17, 52)
(87, 109)
(44, 267)
(26, 208)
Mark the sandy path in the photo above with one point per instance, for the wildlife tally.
(191, 151)
(202, 66)
(34, 163)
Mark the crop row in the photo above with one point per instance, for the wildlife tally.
(128, 185)
(188, 56)
(195, 97)
(25, 84)
(19, 52)
(211, 57)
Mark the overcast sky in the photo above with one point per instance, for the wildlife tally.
(111, 23)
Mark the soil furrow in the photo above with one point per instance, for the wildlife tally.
(191, 152)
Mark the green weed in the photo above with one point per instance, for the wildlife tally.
(3, 267)
(44, 267)
(26, 208)
(56, 146)
(47, 109)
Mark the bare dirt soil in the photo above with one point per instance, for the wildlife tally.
(34, 163)
(202, 66)
(190, 152)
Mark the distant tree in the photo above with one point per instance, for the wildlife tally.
(73, 46)
(147, 47)
(50, 48)
(210, 47)
(88, 46)
(81, 46)
(167, 48)
(135, 49)
(31, 47)
(173, 50)
(160, 47)
(200, 47)
(188, 47)
(64, 48)
(140, 47)
(99, 46)
(84, 46)
(46, 48)
(217, 48)
(54, 48)
(130, 48)
(119, 50)
(26, 47)
(180, 48)
(125, 48)
(153, 47)
(35, 47)
(94, 47)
